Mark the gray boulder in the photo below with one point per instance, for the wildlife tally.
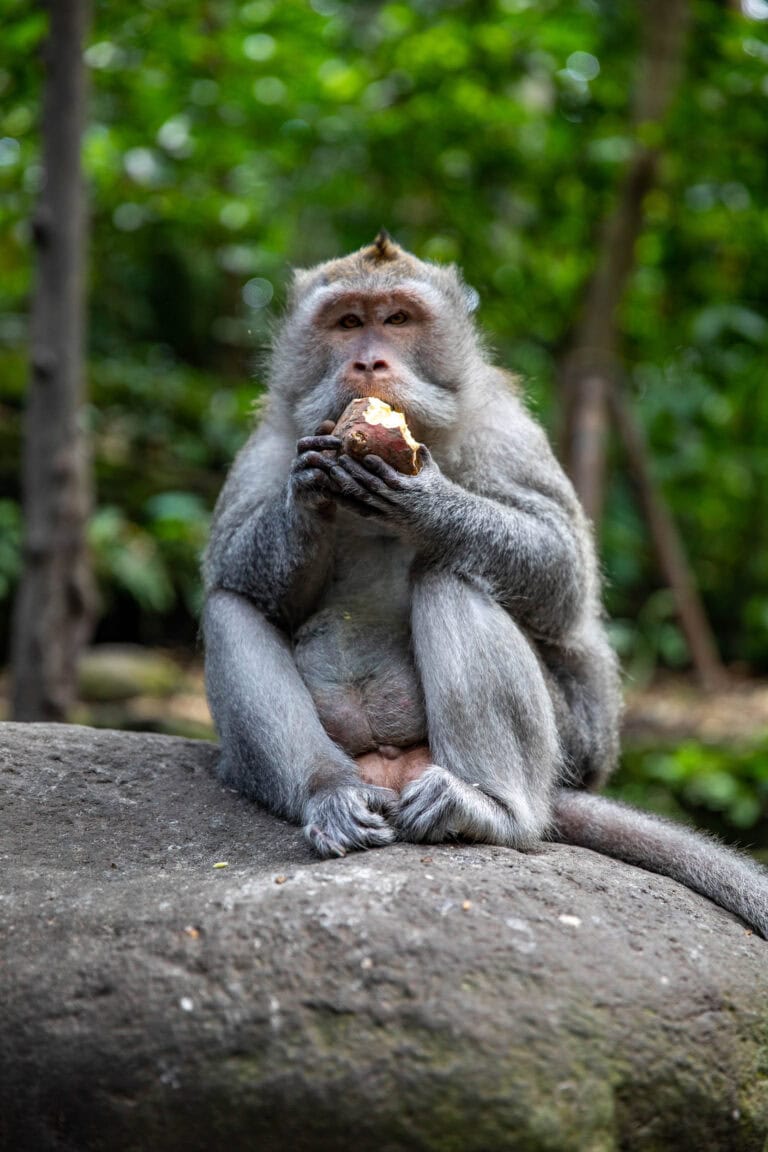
(452, 998)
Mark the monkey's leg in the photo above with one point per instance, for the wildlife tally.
(274, 748)
(490, 720)
(583, 678)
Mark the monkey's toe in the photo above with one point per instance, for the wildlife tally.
(438, 806)
(337, 841)
(381, 799)
(322, 842)
(427, 809)
(345, 821)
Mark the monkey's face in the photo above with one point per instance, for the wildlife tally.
(403, 344)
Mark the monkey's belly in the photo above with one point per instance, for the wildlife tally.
(362, 680)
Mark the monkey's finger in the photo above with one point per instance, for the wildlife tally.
(368, 820)
(367, 829)
(313, 459)
(324, 428)
(391, 477)
(322, 843)
(426, 811)
(364, 478)
(306, 475)
(384, 800)
(312, 479)
(318, 444)
(349, 486)
(430, 825)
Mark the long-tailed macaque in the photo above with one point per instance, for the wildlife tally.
(420, 658)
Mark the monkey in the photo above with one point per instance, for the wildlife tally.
(422, 657)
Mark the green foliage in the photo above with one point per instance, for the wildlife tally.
(730, 784)
(10, 545)
(228, 141)
(150, 529)
(129, 558)
(651, 639)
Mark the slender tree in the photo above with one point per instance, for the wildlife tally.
(53, 610)
(591, 360)
(591, 375)
(668, 546)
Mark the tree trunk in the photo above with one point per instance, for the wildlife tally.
(669, 549)
(590, 363)
(53, 609)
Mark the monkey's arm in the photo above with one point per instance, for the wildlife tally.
(272, 538)
(522, 547)
(269, 557)
(512, 525)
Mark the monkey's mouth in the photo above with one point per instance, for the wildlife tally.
(382, 388)
(371, 410)
(369, 426)
(383, 392)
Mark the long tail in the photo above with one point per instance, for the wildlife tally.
(695, 859)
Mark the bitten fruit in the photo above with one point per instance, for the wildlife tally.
(368, 425)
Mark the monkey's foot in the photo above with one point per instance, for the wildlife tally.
(439, 806)
(350, 818)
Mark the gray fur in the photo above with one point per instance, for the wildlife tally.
(351, 608)
(512, 756)
(700, 862)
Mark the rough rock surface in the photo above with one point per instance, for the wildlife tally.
(452, 998)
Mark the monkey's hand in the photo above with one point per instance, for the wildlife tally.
(310, 486)
(373, 488)
(439, 806)
(348, 818)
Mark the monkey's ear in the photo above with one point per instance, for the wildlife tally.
(471, 299)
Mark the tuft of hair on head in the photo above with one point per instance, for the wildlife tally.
(383, 247)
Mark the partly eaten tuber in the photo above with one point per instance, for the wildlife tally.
(368, 425)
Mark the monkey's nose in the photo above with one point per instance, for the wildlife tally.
(371, 365)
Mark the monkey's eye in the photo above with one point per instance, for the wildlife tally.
(397, 318)
(350, 321)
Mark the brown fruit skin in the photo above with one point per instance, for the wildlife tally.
(359, 438)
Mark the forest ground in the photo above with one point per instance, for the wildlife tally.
(667, 711)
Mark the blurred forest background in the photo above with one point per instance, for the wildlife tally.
(227, 141)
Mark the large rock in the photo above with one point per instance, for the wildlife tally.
(451, 998)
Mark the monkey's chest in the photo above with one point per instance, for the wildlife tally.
(354, 656)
